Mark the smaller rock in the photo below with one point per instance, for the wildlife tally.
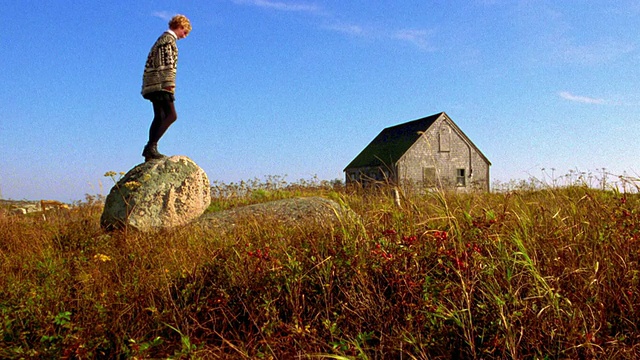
(158, 194)
(19, 211)
(315, 211)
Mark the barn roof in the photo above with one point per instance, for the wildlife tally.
(389, 146)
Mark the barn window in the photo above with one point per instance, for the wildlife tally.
(429, 176)
(444, 139)
(460, 178)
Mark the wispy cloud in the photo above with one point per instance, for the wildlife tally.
(581, 99)
(625, 8)
(349, 29)
(416, 37)
(490, 2)
(599, 52)
(164, 15)
(281, 5)
(419, 38)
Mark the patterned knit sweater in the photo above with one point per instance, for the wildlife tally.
(162, 63)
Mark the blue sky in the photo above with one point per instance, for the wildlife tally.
(298, 88)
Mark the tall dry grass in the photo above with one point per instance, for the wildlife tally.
(542, 272)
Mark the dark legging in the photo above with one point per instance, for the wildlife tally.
(164, 114)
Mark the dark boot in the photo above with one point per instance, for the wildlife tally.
(150, 152)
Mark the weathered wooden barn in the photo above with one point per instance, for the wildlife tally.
(431, 152)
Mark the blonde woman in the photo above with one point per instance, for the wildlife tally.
(159, 82)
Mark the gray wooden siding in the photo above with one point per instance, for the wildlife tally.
(442, 156)
(429, 152)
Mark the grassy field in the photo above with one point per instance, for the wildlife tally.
(537, 272)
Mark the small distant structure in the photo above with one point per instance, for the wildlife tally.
(24, 207)
(422, 154)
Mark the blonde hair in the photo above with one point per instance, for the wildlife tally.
(180, 20)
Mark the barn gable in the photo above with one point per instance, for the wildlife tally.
(422, 152)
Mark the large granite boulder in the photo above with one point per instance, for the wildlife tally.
(158, 194)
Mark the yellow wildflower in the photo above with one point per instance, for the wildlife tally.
(102, 257)
(132, 185)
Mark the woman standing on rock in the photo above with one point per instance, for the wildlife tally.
(159, 82)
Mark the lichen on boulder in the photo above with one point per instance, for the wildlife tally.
(158, 194)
